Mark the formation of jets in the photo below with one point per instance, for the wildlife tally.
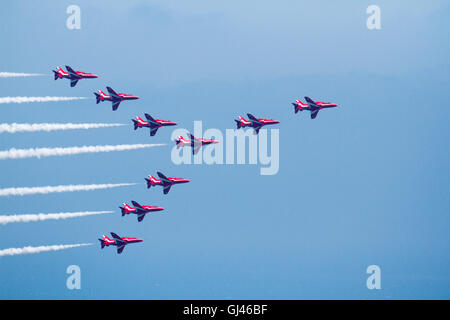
(116, 98)
(165, 182)
(154, 124)
(139, 210)
(119, 242)
(72, 75)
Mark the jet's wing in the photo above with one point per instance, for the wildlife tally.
(115, 105)
(191, 136)
(141, 217)
(149, 118)
(310, 102)
(118, 239)
(257, 129)
(136, 205)
(72, 72)
(153, 131)
(196, 149)
(139, 208)
(73, 82)
(253, 119)
(167, 189)
(120, 249)
(162, 177)
(112, 93)
(314, 113)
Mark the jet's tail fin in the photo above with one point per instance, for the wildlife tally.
(136, 125)
(295, 107)
(56, 74)
(149, 183)
(124, 210)
(98, 98)
(238, 124)
(102, 243)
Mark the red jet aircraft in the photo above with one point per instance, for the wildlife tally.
(73, 75)
(164, 181)
(115, 98)
(141, 211)
(153, 124)
(313, 106)
(254, 122)
(195, 143)
(119, 242)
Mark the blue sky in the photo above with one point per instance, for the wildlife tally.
(362, 184)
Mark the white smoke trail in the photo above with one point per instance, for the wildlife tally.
(37, 99)
(30, 250)
(19, 74)
(57, 189)
(32, 127)
(47, 216)
(48, 152)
